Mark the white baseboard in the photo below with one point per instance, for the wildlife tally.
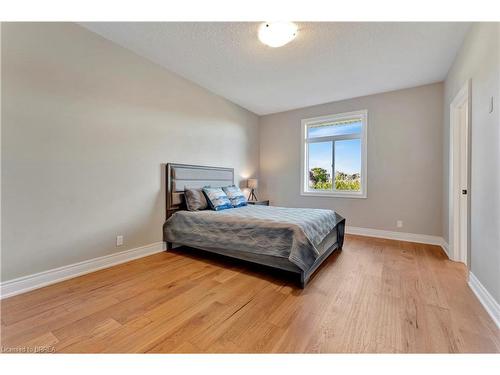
(26, 283)
(446, 248)
(486, 299)
(400, 236)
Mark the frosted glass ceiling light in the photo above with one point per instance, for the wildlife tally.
(277, 34)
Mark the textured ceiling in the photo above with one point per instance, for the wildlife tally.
(328, 61)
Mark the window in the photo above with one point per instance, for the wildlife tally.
(334, 155)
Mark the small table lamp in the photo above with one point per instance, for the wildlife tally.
(252, 183)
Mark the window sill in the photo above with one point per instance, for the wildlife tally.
(333, 194)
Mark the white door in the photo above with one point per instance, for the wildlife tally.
(463, 183)
(459, 181)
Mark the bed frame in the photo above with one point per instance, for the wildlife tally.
(180, 175)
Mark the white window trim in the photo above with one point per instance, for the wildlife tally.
(363, 114)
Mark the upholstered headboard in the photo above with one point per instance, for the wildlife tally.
(181, 175)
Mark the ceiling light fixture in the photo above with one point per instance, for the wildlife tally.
(277, 34)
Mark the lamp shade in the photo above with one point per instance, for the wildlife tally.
(252, 183)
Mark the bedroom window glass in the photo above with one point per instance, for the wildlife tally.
(334, 155)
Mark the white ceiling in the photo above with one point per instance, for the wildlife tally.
(328, 61)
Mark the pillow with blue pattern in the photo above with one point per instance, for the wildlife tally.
(235, 195)
(216, 198)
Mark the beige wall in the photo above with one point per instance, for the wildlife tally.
(404, 160)
(86, 126)
(479, 61)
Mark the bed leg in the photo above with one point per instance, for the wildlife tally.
(340, 233)
(168, 244)
(303, 280)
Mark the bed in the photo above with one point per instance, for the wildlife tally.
(297, 240)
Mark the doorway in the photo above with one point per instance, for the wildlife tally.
(459, 175)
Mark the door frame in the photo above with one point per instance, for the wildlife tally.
(461, 98)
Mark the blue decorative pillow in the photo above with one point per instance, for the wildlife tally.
(217, 199)
(235, 195)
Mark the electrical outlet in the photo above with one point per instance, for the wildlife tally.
(399, 223)
(119, 240)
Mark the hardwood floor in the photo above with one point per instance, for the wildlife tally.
(374, 296)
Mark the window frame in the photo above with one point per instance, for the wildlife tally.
(304, 141)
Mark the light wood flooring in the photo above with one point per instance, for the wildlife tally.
(373, 296)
